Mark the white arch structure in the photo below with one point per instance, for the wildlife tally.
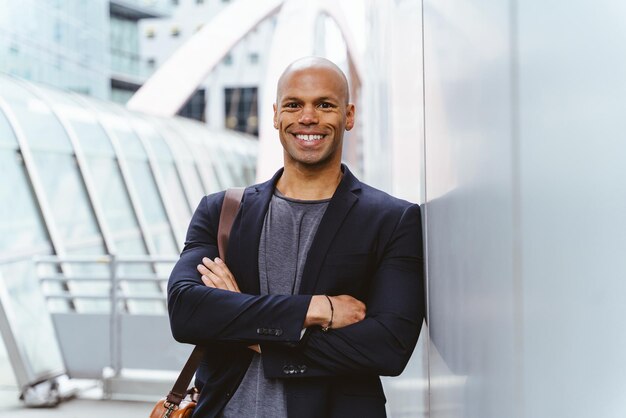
(176, 80)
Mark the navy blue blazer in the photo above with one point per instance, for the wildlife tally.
(368, 245)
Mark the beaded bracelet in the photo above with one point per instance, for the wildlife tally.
(332, 314)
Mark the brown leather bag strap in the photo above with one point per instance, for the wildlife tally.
(230, 206)
(179, 390)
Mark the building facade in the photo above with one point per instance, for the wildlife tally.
(89, 47)
(229, 95)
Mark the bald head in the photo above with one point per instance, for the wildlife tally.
(314, 63)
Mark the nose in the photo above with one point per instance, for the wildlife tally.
(308, 116)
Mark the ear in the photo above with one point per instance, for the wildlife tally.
(349, 116)
(275, 116)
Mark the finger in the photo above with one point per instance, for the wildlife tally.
(218, 266)
(202, 269)
(219, 269)
(225, 283)
(222, 265)
(219, 282)
(207, 282)
(211, 269)
(208, 263)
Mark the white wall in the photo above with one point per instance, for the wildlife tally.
(526, 207)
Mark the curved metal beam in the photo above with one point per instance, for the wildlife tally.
(174, 82)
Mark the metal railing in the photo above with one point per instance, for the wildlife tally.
(120, 273)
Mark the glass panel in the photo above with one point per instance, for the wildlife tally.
(7, 378)
(21, 228)
(41, 128)
(22, 231)
(117, 209)
(130, 144)
(186, 162)
(92, 138)
(191, 179)
(194, 140)
(163, 241)
(30, 320)
(152, 138)
(151, 205)
(7, 136)
(67, 198)
(90, 134)
(174, 184)
(111, 190)
(175, 193)
(219, 159)
(132, 152)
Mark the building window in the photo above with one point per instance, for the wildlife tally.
(253, 57)
(175, 2)
(151, 62)
(199, 1)
(150, 33)
(241, 109)
(228, 59)
(195, 106)
(175, 32)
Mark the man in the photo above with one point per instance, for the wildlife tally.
(285, 323)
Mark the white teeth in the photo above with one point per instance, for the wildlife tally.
(309, 137)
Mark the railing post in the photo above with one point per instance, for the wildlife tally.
(115, 320)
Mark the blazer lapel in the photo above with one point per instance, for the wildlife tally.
(338, 208)
(243, 247)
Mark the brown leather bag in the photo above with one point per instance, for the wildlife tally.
(181, 402)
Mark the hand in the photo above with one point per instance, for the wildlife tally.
(347, 311)
(216, 274)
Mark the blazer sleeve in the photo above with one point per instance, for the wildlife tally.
(383, 342)
(201, 315)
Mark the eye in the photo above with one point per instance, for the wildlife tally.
(291, 105)
(326, 105)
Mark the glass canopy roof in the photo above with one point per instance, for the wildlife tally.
(80, 177)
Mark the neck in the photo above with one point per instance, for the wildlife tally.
(304, 184)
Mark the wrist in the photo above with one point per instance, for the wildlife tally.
(318, 312)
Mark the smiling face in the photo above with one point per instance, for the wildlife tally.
(311, 114)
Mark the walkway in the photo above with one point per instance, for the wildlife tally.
(87, 406)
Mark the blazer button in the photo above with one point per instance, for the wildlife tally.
(278, 332)
(303, 369)
(259, 331)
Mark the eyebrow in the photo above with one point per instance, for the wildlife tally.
(328, 99)
(318, 99)
(290, 99)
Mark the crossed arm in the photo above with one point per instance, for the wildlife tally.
(345, 310)
(379, 343)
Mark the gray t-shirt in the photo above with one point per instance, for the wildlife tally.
(288, 231)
